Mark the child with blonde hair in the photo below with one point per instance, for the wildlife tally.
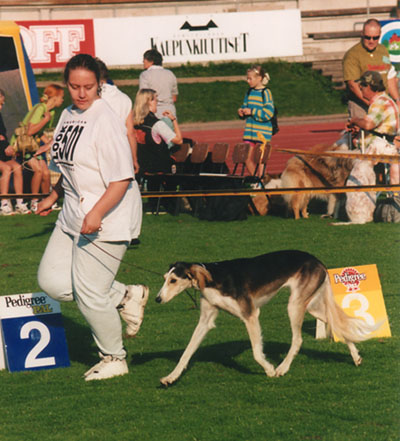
(257, 109)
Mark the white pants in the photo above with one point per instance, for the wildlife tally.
(73, 268)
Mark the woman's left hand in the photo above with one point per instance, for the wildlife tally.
(91, 223)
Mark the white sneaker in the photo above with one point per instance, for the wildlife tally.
(55, 207)
(6, 210)
(132, 307)
(22, 208)
(108, 367)
(34, 206)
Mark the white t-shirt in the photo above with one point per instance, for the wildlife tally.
(121, 104)
(91, 150)
(118, 101)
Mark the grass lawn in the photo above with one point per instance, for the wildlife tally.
(296, 88)
(224, 395)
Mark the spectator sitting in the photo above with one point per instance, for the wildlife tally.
(163, 81)
(152, 136)
(382, 119)
(38, 119)
(8, 166)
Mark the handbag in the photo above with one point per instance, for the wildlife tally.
(25, 143)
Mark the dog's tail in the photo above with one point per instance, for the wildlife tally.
(346, 328)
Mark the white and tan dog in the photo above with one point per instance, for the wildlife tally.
(242, 286)
(360, 206)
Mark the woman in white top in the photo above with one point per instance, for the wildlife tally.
(91, 151)
(153, 136)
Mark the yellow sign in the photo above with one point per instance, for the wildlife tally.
(357, 290)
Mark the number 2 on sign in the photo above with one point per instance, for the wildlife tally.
(364, 305)
(31, 360)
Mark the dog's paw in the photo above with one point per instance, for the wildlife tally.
(167, 381)
(358, 361)
(271, 372)
(281, 370)
(326, 216)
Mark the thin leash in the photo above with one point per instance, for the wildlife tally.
(134, 265)
(120, 260)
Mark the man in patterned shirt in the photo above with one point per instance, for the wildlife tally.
(382, 119)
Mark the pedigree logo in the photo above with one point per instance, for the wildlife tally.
(350, 278)
(38, 305)
(51, 43)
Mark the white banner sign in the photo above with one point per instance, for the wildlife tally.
(199, 37)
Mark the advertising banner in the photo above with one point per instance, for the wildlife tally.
(51, 43)
(200, 37)
(180, 38)
(358, 292)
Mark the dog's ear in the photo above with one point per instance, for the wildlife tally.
(199, 276)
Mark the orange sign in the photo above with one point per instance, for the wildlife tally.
(357, 290)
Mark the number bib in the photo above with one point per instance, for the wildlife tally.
(32, 332)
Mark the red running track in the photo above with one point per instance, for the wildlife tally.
(299, 136)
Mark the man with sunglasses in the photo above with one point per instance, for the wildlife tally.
(368, 55)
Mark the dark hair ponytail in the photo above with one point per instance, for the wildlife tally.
(83, 61)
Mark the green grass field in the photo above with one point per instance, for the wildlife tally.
(224, 395)
(296, 88)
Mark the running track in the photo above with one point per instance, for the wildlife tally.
(298, 134)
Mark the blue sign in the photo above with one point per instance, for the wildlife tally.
(33, 332)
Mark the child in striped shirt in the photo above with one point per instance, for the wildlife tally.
(258, 110)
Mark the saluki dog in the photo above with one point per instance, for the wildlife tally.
(242, 286)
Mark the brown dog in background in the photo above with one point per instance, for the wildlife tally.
(315, 171)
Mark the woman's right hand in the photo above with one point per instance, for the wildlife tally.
(44, 206)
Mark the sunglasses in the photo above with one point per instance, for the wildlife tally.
(369, 37)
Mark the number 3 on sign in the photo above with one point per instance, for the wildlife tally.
(364, 306)
(32, 360)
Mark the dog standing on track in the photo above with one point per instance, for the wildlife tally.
(242, 286)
